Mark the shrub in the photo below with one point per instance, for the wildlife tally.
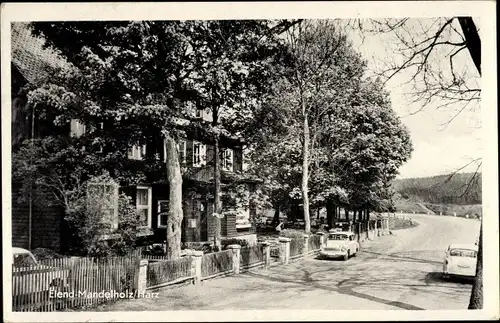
(206, 247)
(292, 233)
(227, 242)
(90, 219)
(44, 253)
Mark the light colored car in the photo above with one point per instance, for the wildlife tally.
(29, 276)
(460, 260)
(340, 244)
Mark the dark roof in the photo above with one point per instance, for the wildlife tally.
(29, 56)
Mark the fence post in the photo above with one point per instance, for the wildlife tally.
(284, 250)
(236, 257)
(196, 265)
(143, 276)
(267, 254)
(306, 245)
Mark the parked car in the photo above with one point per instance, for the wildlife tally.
(340, 244)
(460, 261)
(29, 276)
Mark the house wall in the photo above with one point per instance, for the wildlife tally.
(20, 221)
(46, 221)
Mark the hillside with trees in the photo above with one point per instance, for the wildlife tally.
(460, 193)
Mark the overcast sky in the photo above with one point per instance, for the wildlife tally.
(437, 149)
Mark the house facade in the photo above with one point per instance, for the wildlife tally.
(35, 225)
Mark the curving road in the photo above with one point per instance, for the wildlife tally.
(399, 271)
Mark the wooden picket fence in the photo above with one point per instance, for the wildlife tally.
(153, 258)
(216, 264)
(251, 256)
(165, 272)
(72, 283)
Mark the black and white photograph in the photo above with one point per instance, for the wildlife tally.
(249, 161)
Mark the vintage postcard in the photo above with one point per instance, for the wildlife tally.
(256, 161)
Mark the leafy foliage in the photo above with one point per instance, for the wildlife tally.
(357, 143)
(89, 219)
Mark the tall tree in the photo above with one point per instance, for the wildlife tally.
(127, 75)
(233, 62)
(323, 64)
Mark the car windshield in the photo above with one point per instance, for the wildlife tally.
(338, 237)
(463, 253)
(24, 260)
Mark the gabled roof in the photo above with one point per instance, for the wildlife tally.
(29, 56)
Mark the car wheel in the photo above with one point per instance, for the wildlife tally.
(356, 253)
(347, 255)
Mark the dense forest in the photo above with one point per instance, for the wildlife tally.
(461, 189)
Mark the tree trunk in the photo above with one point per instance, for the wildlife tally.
(476, 297)
(473, 40)
(175, 214)
(217, 193)
(305, 175)
(330, 208)
(276, 218)
(346, 211)
(367, 215)
(474, 46)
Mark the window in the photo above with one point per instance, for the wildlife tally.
(104, 196)
(227, 160)
(199, 154)
(463, 253)
(137, 152)
(338, 237)
(181, 150)
(199, 114)
(162, 213)
(243, 216)
(143, 204)
(24, 260)
(77, 128)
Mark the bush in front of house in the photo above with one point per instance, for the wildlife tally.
(44, 253)
(227, 242)
(90, 218)
(297, 237)
(206, 247)
(292, 233)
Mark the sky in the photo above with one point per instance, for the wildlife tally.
(437, 150)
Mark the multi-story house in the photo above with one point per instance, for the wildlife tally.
(43, 226)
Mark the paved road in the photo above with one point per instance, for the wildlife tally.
(399, 271)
